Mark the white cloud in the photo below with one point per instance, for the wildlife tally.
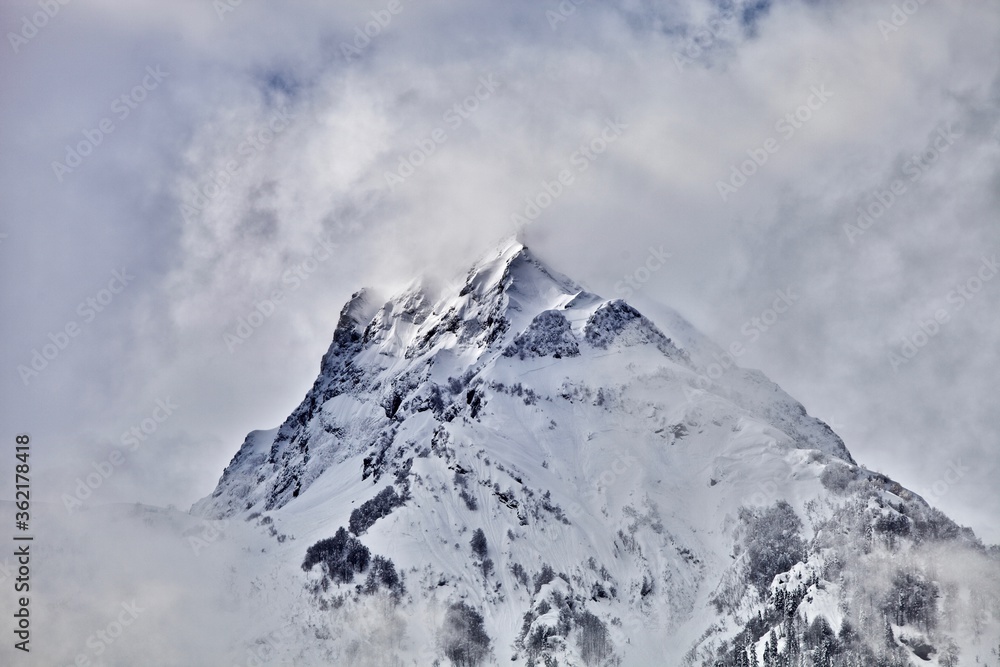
(325, 173)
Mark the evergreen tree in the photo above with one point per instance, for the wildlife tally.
(788, 631)
(464, 637)
(478, 543)
(592, 639)
(771, 651)
(890, 639)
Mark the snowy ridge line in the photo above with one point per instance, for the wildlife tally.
(516, 470)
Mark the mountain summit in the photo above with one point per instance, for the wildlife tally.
(519, 471)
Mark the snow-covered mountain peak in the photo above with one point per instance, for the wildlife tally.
(615, 490)
(513, 317)
(515, 271)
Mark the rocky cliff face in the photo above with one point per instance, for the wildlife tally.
(527, 473)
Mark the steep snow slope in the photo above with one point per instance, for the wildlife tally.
(634, 509)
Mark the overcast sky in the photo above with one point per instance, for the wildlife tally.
(214, 153)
